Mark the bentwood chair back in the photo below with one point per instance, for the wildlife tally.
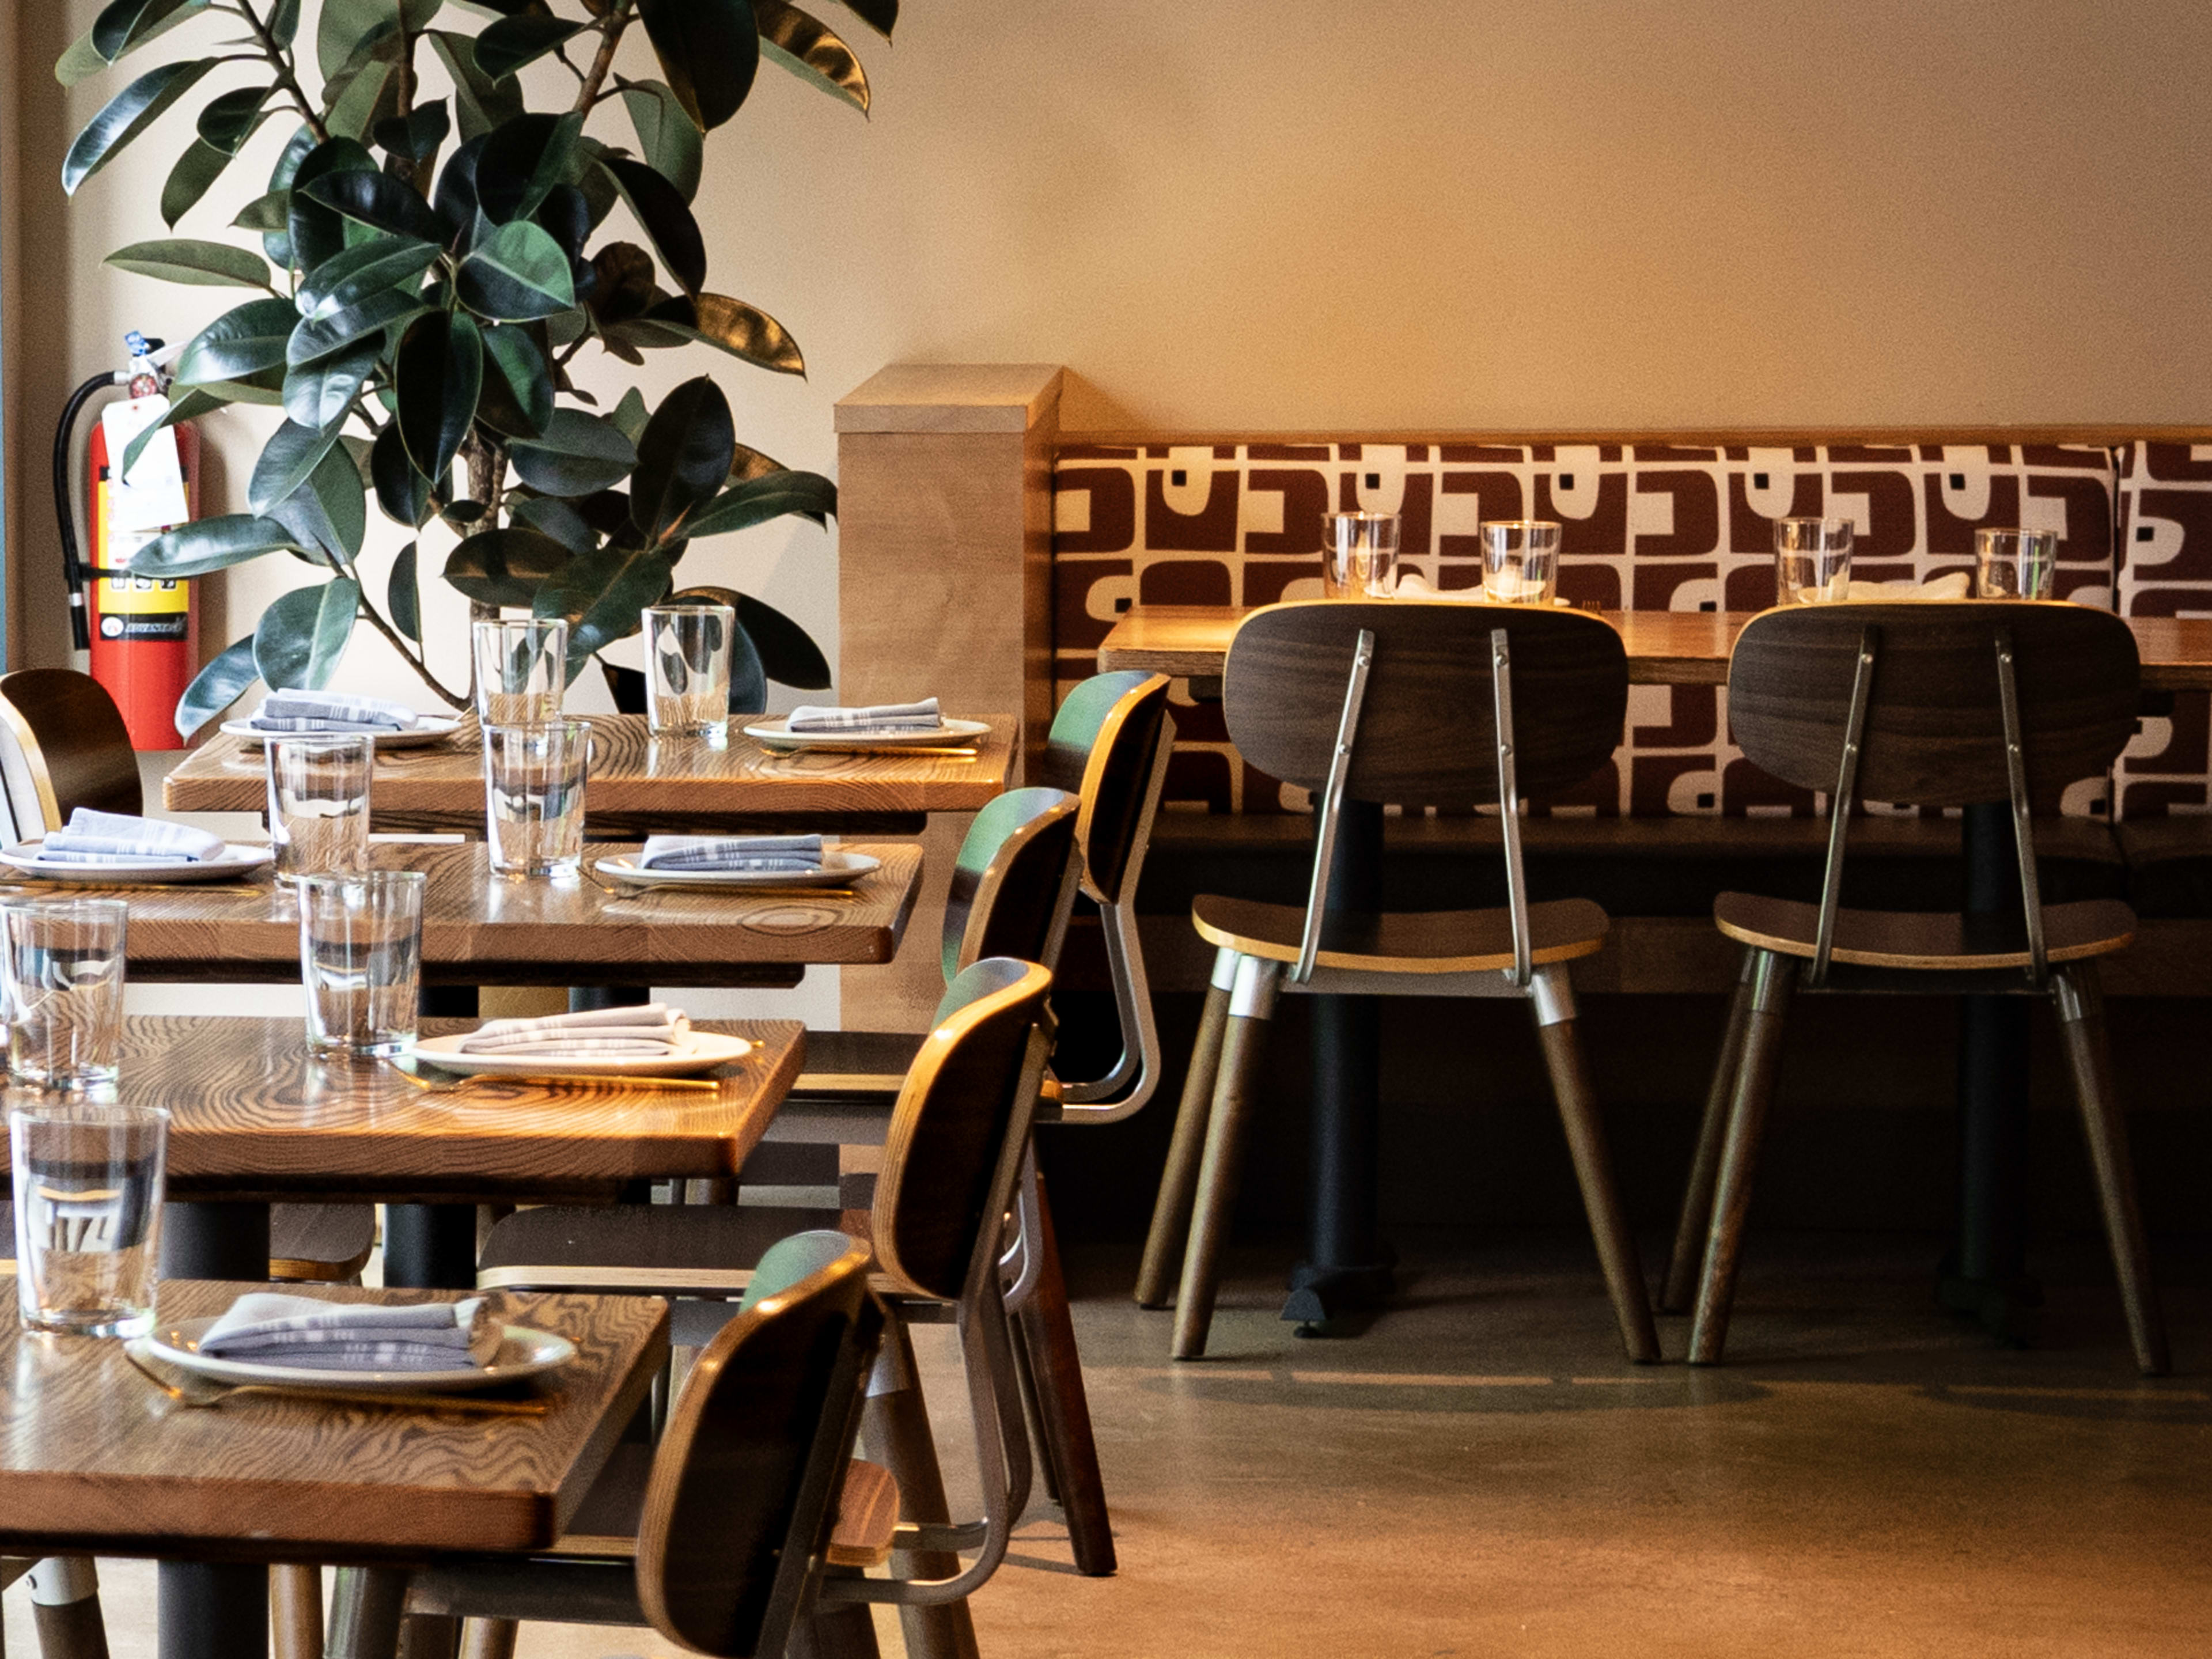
(1014, 882)
(73, 740)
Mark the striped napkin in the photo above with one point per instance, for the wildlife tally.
(331, 711)
(1953, 587)
(653, 1029)
(270, 1328)
(797, 853)
(117, 838)
(880, 717)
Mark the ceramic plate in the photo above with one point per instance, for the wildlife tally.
(522, 1352)
(703, 1051)
(838, 870)
(950, 733)
(236, 859)
(434, 728)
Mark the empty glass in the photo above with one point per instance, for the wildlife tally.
(687, 668)
(1359, 555)
(87, 1215)
(534, 797)
(361, 959)
(319, 802)
(522, 668)
(61, 970)
(1520, 561)
(2016, 564)
(1812, 561)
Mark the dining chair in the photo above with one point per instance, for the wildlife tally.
(1447, 704)
(949, 1183)
(1935, 706)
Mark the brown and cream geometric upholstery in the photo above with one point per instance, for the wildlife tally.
(2165, 540)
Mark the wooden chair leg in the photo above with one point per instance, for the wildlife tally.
(1244, 1044)
(366, 1612)
(1774, 980)
(1551, 999)
(1032, 1419)
(1064, 1409)
(295, 1612)
(895, 1430)
(2081, 1022)
(1179, 1180)
(65, 1608)
(1680, 1288)
(489, 1639)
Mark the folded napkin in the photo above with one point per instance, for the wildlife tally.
(795, 853)
(270, 1328)
(1953, 587)
(882, 717)
(653, 1029)
(1412, 585)
(331, 711)
(91, 837)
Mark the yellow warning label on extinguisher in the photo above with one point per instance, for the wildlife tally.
(121, 593)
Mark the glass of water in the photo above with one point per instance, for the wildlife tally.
(1359, 555)
(87, 1215)
(522, 669)
(534, 797)
(1520, 561)
(2016, 564)
(318, 803)
(61, 971)
(361, 959)
(1812, 561)
(687, 667)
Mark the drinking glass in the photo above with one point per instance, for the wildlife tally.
(61, 970)
(687, 667)
(318, 803)
(2016, 564)
(522, 668)
(361, 960)
(87, 1215)
(1359, 555)
(534, 797)
(1520, 561)
(1812, 561)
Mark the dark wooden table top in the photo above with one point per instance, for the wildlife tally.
(94, 1458)
(480, 929)
(253, 1115)
(640, 784)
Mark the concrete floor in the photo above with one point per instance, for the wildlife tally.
(1480, 1473)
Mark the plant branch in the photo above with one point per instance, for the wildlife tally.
(286, 81)
(408, 653)
(611, 34)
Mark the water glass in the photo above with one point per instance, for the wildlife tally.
(61, 971)
(87, 1215)
(687, 667)
(318, 803)
(2016, 564)
(1520, 561)
(1812, 561)
(361, 959)
(1359, 555)
(534, 795)
(522, 669)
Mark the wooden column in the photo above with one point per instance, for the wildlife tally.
(944, 589)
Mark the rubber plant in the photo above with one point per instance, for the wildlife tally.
(432, 266)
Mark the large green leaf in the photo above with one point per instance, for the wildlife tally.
(710, 50)
(805, 494)
(329, 511)
(270, 212)
(228, 120)
(129, 113)
(665, 136)
(480, 103)
(418, 135)
(287, 459)
(205, 264)
(303, 634)
(517, 273)
(366, 268)
(803, 46)
(518, 390)
(558, 520)
(524, 159)
(743, 330)
(317, 393)
(601, 593)
(631, 415)
(377, 200)
(504, 567)
(124, 24)
(85, 59)
(881, 15)
(402, 598)
(284, 23)
(185, 404)
(215, 687)
(317, 337)
(239, 342)
(665, 219)
(402, 491)
(439, 372)
(366, 92)
(192, 177)
(347, 26)
(193, 549)
(683, 458)
(318, 232)
(578, 454)
(514, 42)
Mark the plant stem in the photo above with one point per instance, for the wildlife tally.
(611, 34)
(286, 81)
(409, 654)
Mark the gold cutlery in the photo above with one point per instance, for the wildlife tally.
(188, 1389)
(453, 1081)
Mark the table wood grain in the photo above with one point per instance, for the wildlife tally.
(93, 1457)
(252, 1116)
(642, 785)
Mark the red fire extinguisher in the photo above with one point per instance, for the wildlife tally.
(143, 632)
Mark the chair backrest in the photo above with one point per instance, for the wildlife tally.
(1013, 882)
(1104, 749)
(73, 741)
(743, 1495)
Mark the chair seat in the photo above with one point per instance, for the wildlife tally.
(850, 1063)
(662, 1250)
(1929, 940)
(1402, 941)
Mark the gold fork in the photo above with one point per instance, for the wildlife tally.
(186, 1389)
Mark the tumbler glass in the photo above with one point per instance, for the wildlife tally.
(534, 797)
(61, 970)
(1520, 561)
(522, 669)
(1359, 555)
(1812, 561)
(2016, 564)
(318, 803)
(88, 1182)
(361, 960)
(687, 667)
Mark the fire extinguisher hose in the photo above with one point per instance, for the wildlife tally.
(75, 572)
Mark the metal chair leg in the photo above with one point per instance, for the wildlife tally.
(366, 1612)
(1774, 978)
(895, 1430)
(2081, 1022)
(295, 1612)
(1063, 1409)
(65, 1608)
(1244, 1044)
(1680, 1288)
(489, 1639)
(1179, 1180)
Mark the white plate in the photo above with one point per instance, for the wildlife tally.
(703, 1052)
(433, 729)
(950, 733)
(838, 870)
(236, 859)
(522, 1352)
